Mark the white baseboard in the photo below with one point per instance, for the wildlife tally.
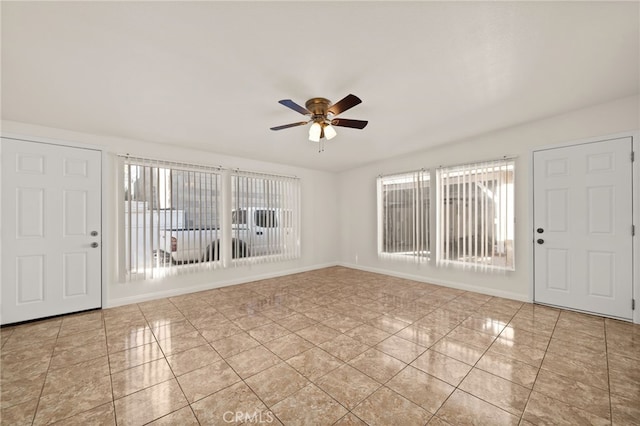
(451, 284)
(112, 303)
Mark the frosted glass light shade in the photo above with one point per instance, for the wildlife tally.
(314, 132)
(329, 132)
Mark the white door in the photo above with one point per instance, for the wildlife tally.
(51, 230)
(583, 227)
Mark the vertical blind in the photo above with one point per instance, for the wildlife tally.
(265, 218)
(171, 218)
(476, 215)
(403, 216)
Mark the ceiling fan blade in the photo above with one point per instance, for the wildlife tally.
(286, 126)
(344, 104)
(294, 106)
(345, 122)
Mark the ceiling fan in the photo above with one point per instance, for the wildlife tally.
(322, 114)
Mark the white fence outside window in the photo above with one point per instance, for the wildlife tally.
(476, 215)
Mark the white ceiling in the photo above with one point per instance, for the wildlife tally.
(208, 75)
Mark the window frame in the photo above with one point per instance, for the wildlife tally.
(420, 227)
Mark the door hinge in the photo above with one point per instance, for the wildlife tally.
(633, 230)
(633, 304)
(633, 156)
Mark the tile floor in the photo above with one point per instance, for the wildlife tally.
(333, 346)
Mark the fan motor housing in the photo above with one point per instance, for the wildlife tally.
(318, 106)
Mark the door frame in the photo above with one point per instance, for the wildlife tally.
(105, 272)
(635, 170)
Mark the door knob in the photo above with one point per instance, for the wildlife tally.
(94, 233)
(540, 241)
(539, 230)
(94, 245)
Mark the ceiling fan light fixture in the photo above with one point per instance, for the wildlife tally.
(314, 132)
(329, 132)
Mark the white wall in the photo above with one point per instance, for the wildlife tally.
(358, 193)
(319, 213)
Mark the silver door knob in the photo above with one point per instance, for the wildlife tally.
(94, 245)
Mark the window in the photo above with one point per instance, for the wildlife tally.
(403, 216)
(266, 209)
(171, 217)
(476, 215)
(175, 219)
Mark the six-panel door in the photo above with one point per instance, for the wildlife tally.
(582, 227)
(51, 230)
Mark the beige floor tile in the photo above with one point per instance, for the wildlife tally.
(21, 414)
(127, 339)
(192, 359)
(471, 337)
(296, 322)
(183, 417)
(288, 346)
(309, 406)
(464, 409)
(73, 400)
(318, 333)
(344, 347)
(496, 390)
(103, 415)
(21, 364)
(181, 342)
(78, 354)
(173, 329)
(314, 363)
(377, 365)
(223, 406)
(360, 331)
(80, 323)
(419, 335)
(150, 404)
(276, 383)
(577, 338)
(60, 379)
(508, 368)
(251, 321)
(388, 324)
(387, 407)
(399, 348)
(625, 411)
(235, 344)
(575, 393)
(135, 356)
(520, 352)
(207, 380)
(220, 330)
(624, 376)
(467, 353)
(341, 323)
(577, 370)
(542, 409)
(268, 332)
(350, 420)
(253, 361)
(347, 385)
(21, 390)
(421, 388)
(368, 334)
(128, 381)
(443, 367)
